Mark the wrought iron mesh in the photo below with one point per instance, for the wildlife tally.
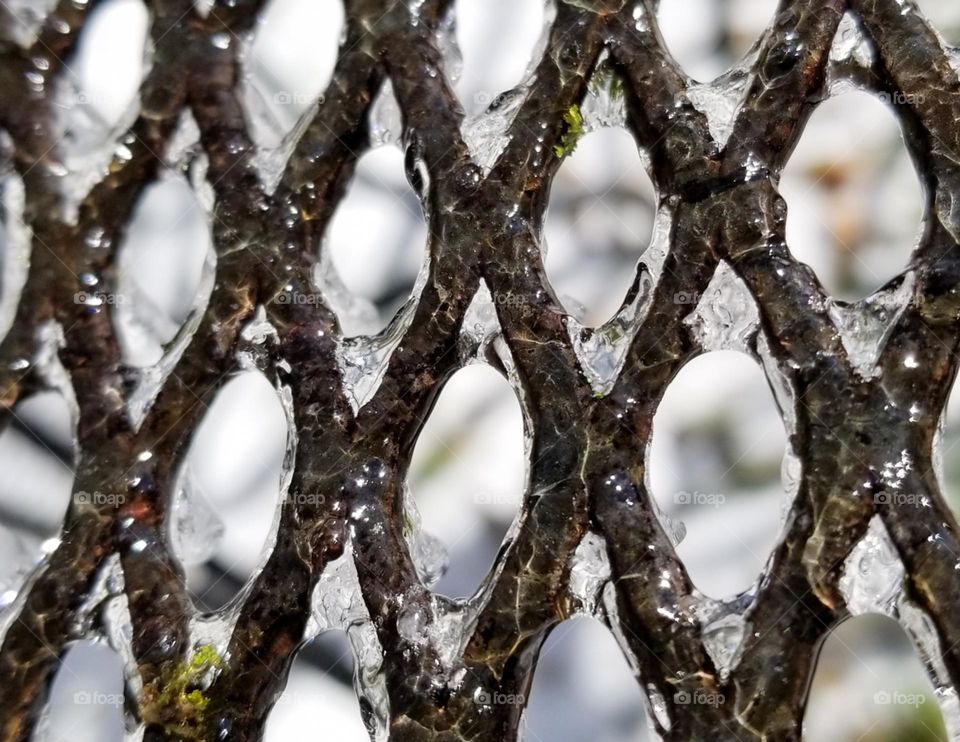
(862, 425)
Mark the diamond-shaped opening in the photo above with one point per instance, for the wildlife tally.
(855, 203)
(320, 686)
(96, 93)
(598, 223)
(583, 688)
(708, 37)
(948, 449)
(14, 246)
(288, 65)
(36, 456)
(36, 477)
(715, 460)
(107, 66)
(229, 489)
(36, 463)
(375, 244)
(467, 476)
(86, 702)
(161, 260)
(498, 41)
(869, 684)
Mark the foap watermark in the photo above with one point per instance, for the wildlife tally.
(99, 298)
(80, 98)
(99, 499)
(698, 698)
(898, 698)
(712, 499)
(515, 301)
(685, 297)
(296, 98)
(492, 498)
(909, 499)
(97, 698)
(495, 698)
(299, 298)
(306, 498)
(899, 98)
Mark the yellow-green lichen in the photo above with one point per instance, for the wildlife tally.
(572, 131)
(197, 699)
(180, 703)
(205, 658)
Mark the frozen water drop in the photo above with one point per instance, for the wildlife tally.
(850, 44)
(602, 351)
(480, 323)
(446, 38)
(337, 603)
(676, 529)
(873, 573)
(605, 102)
(196, 529)
(486, 134)
(719, 101)
(589, 572)
(948, 198)
(429, 555)
(864, 325)
(722, 639)
(726, 315)
(363, 362)
(430, 558)
(917, 623)
(385, 122)
(953, 54)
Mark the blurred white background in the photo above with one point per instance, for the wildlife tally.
(855, 212)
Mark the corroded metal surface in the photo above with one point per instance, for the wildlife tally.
(858, 435)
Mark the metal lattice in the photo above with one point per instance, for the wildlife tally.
(862, 432)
